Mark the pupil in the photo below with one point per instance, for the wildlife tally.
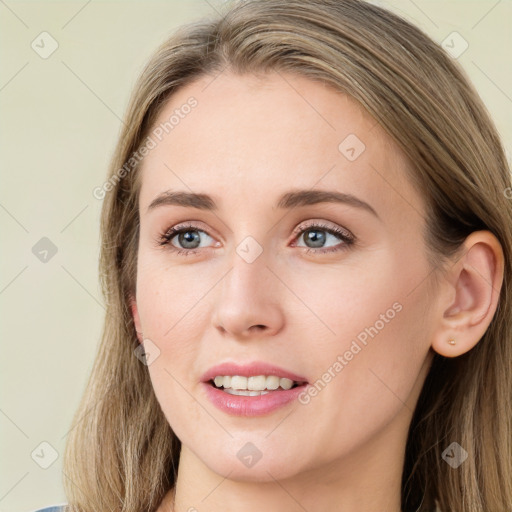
(312, 236)
(188, 237)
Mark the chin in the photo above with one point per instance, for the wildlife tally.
(250, 461)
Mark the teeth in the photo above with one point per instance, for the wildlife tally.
(255, 383)
(219, 381)
(245, 392)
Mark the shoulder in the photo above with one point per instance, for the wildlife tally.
(52, 508)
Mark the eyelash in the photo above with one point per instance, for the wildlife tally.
(164, 239)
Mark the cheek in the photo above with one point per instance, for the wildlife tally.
(175, 396)
(169, 298)
(169, 305)
(341, 302)
(368, 375)
(371, 327)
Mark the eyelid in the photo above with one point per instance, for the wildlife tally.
(317, 223)
(192, 225)
(164, 238)
(346, 237)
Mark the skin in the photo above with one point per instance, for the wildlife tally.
(248, 141)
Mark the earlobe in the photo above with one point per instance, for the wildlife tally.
(475, 283)
(136, 319)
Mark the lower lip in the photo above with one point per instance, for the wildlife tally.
(240, 405)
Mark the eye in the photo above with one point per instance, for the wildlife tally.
(314, 234)
(188, 236)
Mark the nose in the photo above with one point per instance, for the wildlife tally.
(249, 300)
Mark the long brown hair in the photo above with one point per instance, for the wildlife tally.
(121, 454)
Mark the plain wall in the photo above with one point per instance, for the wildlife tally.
(59, 121)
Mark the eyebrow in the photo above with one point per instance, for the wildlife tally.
(289, 200)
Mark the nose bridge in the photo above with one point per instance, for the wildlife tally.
(249, 294)
(249, 270)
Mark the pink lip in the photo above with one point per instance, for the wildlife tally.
(247, 370)
(251, 405)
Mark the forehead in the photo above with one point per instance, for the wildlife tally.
(248, 138)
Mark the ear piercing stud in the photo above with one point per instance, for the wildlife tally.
(451, 342)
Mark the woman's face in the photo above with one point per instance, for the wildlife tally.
(333, 292)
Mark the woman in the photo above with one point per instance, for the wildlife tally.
(307, 227)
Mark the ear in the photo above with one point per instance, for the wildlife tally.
(136, 319)
(472, 289)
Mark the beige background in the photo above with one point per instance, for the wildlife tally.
(59, 122)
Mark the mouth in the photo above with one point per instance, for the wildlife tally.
(254, 385)
(254, 389)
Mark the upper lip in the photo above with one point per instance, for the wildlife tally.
(248, 370)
